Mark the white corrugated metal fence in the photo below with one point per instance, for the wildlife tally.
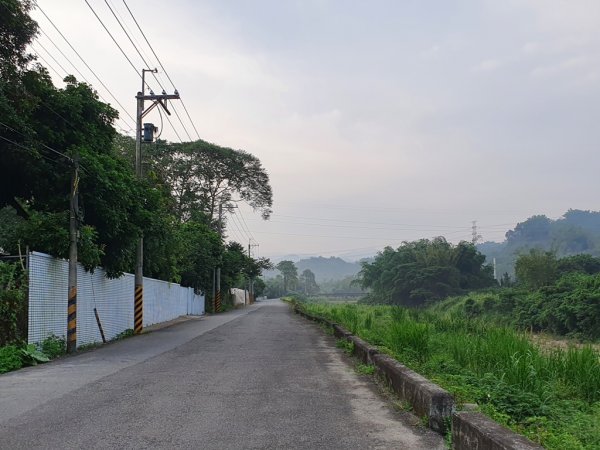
(112, 298)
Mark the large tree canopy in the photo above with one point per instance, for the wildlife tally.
(203, 175)
(424, 271)
(289, 271)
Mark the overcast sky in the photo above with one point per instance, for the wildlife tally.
(378, 121)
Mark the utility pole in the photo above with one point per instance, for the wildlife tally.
(73, 231)
(217, 296)
(250, 280)
(148, 136)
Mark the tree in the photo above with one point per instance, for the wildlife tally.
(537, 268)
(274, 287)
(307, 282)
(424, 271)
(259, 287)
(578, 263)
(203, 175)
(290, 275)
(200, 248)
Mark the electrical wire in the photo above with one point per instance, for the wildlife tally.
(129, 60)
(63, 55)
(326, 225)
(53, 58)
(237, 235)
(246, 225)
(43, 145)
(146, 64)
(74, 67)
(31, 149)
(331, 236)
(46, 63)
(85, 63)
(235, 222)
(325, 219)
(161, 66)
(116, 43)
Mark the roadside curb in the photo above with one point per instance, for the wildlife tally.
(473, 430)
(470, 430)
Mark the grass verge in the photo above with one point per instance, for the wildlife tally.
(551, 396)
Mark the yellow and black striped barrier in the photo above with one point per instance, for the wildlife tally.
(72, 320)
(218, 301)
(138, 310)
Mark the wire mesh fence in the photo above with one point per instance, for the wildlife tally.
(112, 298)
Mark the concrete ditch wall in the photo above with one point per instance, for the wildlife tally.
(470, 431)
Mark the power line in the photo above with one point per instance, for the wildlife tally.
(46, 62)
(327, 225)
(43, 145)
(73, 65)
(146, 64)
(235, 221)
(53, 58)
(161, 66)
(30, 149)
(61, 52)
(325, 219)
(246, 225)
(331, 236)
(115, 41)
(238, 236)
(85, 63)
(129, 60)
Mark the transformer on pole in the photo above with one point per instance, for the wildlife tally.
(144, 134)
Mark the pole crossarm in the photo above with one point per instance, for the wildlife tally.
(156, 100)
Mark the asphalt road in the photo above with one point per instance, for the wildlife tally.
(256, 378)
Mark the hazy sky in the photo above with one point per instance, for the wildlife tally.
(378, 121)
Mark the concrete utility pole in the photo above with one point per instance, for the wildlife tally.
(148, 136)
(73, 231)
(217, 294)
(250, 280)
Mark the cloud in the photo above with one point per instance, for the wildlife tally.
(487, 65)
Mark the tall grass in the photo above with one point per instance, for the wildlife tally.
(496, 365)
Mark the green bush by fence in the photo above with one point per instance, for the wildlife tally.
(13, 303)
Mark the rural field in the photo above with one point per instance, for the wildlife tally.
(551, 395)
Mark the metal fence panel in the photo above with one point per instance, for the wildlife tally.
(112, 298)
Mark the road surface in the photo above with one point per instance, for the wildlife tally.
(257, 378)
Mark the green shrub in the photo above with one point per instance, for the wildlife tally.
(13, 303)
(10, 358)
(53, 346)
(31, 356)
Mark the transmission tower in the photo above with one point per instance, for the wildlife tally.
(475, 237)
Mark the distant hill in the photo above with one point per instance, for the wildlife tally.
(332, 268)
(575, 232)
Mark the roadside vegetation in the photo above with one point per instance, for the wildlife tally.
(436, 308)
(551, 396)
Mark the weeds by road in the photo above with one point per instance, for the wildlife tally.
(551, 396)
